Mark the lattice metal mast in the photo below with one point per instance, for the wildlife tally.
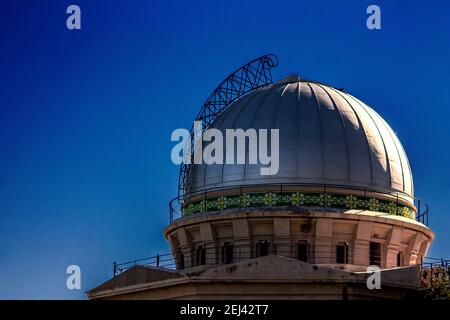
(251, 76)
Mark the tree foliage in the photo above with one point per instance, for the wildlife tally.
(438, 284)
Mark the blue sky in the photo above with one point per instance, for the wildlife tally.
(86, 115)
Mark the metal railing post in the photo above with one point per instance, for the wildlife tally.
(281, 191)
(419, 213)
(114, 268)
(157, 260)
(240, 197)
(397, 203)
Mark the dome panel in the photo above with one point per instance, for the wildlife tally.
(333, 135)
(310, 135)
(358, 152)
(288, 117)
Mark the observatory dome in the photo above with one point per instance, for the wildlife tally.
(326, 136)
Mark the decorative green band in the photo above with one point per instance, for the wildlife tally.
(297, 199)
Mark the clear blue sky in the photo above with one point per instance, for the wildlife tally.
(86, 116)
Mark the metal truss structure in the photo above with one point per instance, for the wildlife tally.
(251, 76)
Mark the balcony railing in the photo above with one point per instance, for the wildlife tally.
(297, 195)
(164, 260)
(315, 254)
(434, 271)
(429, 262)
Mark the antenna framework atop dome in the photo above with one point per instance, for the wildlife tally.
(251, 76)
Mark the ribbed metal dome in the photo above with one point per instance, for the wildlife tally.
(326, 137)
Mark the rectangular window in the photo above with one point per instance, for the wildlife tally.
(303, 251)
(399, 259)
(180, 260)
(227, 252)
(200, 257)
(375, 254)
(262, 248)
(342, 253)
